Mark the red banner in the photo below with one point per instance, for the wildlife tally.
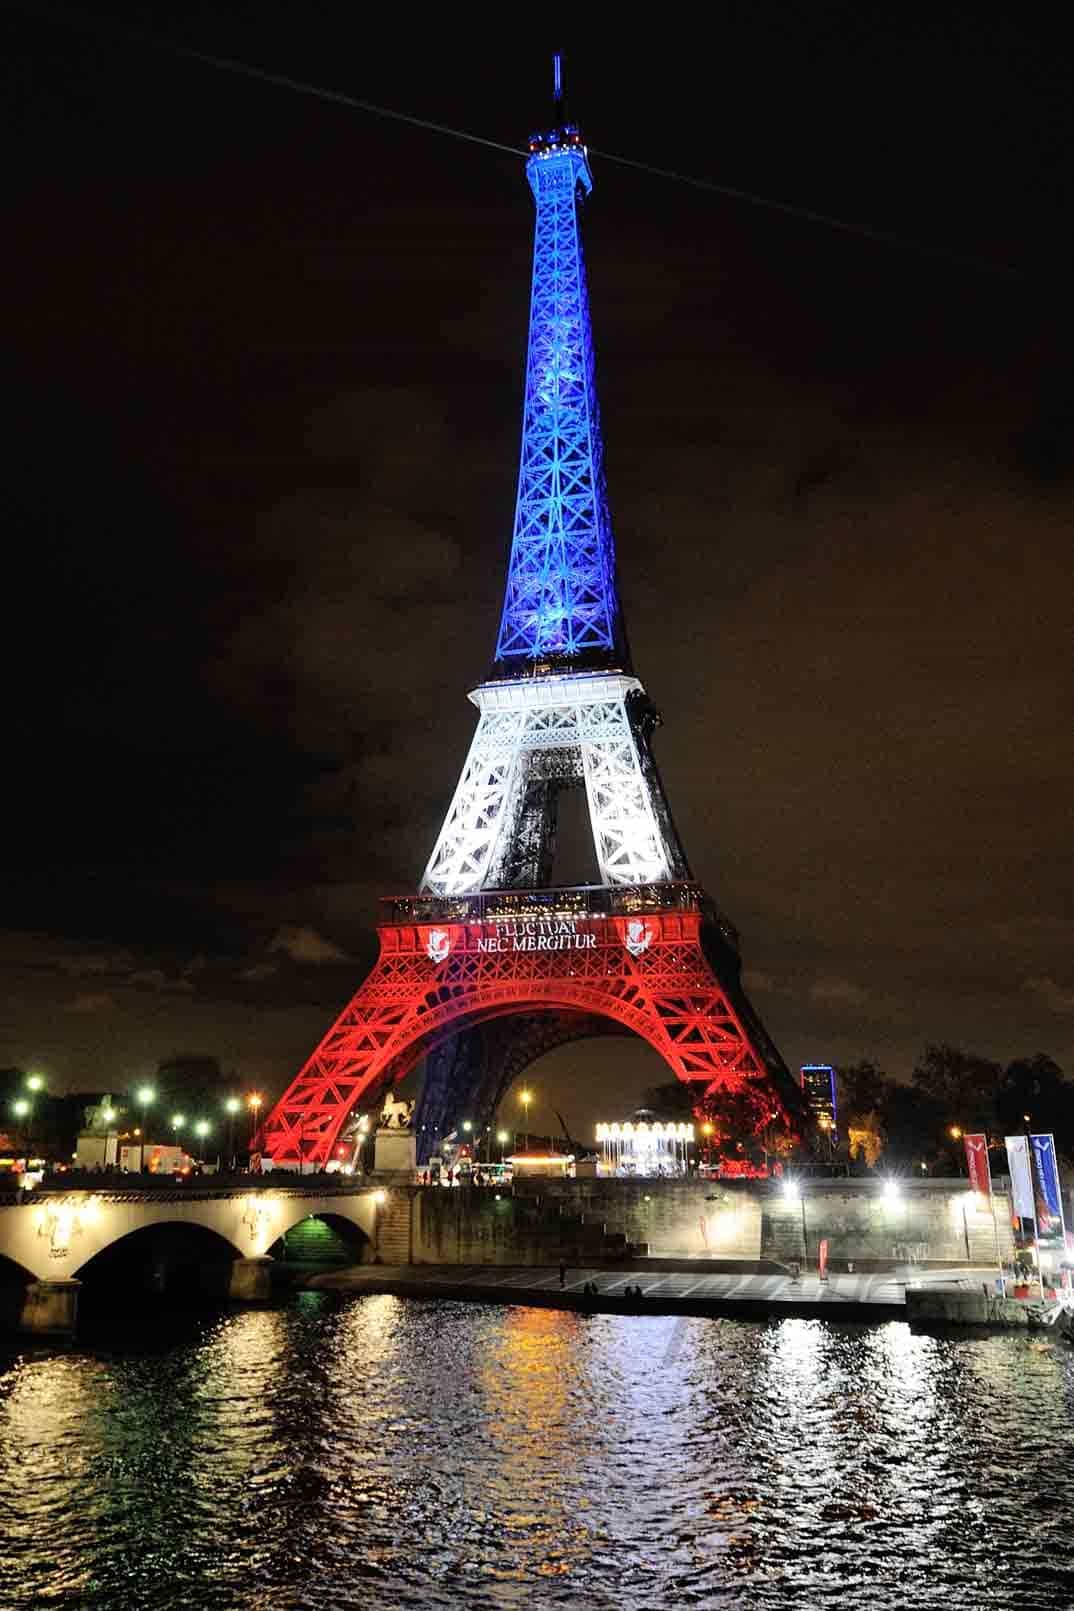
(977, 1164)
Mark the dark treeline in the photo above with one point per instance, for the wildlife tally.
(951, 1092)
(902, 1124)
(193, 1085)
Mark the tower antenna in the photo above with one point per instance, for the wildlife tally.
(557, 87)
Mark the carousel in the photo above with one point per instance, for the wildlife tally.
(645, 1147)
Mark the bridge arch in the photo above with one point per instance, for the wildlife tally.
(325, 1238)
(176, 1235)
(355, 1218)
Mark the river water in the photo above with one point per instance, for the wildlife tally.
(374, 1452)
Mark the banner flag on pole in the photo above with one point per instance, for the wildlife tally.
(1052, 1228)
(977, 1164)
(1021, 1178)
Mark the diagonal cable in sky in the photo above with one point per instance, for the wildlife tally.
(808, 215)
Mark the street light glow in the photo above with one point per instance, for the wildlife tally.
(178, 1119)
(790, 1191)
(20, 1107)
(202, 1127)
(34, 1082)
(145, 1094)
(232, 1105)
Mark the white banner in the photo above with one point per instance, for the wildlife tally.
(1021, 1177)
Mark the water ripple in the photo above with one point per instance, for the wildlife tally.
(380, 1452)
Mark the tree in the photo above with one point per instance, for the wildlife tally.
(1037, 1086)
(862, 1088)
(672, 1102)
(961, 1086)
(911, 1122)
(865, 1139)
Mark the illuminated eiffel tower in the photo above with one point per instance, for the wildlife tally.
(490, 965)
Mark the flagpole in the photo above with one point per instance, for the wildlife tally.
(1033, 1199)
(978, 1167)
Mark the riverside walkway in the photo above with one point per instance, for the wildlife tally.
(694, 1292)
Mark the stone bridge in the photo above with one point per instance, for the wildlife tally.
(51, 1236)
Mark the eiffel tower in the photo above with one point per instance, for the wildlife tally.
(489, 965)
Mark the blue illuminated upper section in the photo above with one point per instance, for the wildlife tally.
(561, 608)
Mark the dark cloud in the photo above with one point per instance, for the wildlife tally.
(1058, 998)
(306, 945)
(157, 979)
(91, 1001)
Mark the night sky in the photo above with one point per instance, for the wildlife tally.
(264, 362)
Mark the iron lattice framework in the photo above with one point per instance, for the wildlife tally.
(637, 959)
(487, 938)
(533, 736)
(561, 602)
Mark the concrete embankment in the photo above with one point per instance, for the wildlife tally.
(724, 1292)
(939, 1305)
(697, 1290)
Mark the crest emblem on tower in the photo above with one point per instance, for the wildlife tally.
(438, 945)
(561, 709)
(639, 936)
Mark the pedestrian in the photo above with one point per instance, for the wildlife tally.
(562, 1273)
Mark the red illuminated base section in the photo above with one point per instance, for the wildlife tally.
(648, 973)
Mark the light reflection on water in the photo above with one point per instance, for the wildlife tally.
(381, 1452)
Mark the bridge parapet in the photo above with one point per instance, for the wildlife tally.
(53, 1234)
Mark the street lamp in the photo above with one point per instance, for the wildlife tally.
(178, 1121)
(502, 1138)
(106, 1115)
(525, 1097)
(35, 1082)
(22, 1109)
(254, 1102)
(231, 1107)
(143, 1096)
(201, 1130)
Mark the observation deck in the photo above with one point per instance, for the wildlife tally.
(572, 901)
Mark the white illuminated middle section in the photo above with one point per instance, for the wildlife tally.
(584, 719)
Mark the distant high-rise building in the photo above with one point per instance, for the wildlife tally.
(818, 1083)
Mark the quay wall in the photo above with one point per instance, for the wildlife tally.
(545, 1220)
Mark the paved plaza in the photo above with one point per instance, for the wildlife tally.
(663, 1292)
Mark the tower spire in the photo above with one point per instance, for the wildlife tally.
(561, 607)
